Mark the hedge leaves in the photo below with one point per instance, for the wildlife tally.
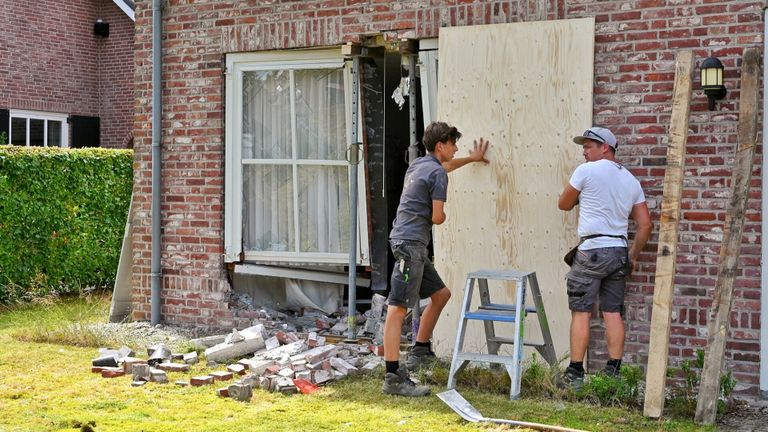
(62, 216)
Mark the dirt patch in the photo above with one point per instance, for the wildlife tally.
(746, 416)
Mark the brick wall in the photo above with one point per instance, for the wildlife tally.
(635, 45)
(116, 94)
(49, 61)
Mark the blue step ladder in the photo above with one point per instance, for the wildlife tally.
(489, 312)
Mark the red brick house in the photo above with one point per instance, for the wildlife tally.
(213, 50)
(63, 84)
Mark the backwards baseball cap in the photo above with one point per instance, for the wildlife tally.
(599, 134)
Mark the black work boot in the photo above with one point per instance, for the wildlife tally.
(400, 384)
(419, 357)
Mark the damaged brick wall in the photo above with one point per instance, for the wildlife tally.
(635, 47)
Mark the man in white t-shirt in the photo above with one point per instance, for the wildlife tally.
(607, 195)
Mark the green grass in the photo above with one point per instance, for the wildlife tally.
(46, 386)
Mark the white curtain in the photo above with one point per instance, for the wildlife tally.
(322, 189)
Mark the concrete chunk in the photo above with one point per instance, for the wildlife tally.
(236, 369)
(240, 391)
(129, 362)
(208, 341)
(140, 372)
(283, 351)
(319, 353)
(226, 351)
(285, 385)
(322, 376)
(342, 366)
(158, 375)
(257, 367)
(271, 343)
(190, 357)
(287, 373)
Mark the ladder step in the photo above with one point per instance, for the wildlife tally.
(488, 358)
(506, 307)
(491, 315)
(509, 341)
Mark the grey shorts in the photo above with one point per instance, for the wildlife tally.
(414, 276)
(598, 272)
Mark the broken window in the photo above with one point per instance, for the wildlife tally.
(287, 177)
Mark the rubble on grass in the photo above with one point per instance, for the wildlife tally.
(280, 352)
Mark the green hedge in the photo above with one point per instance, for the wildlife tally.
(62, 217)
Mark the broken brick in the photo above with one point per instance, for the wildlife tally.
(342, 366)
(174, 367)
(236, 369)
(112, 372)
(201, 380)
(223, 392)
(377, 349)
(221, 375)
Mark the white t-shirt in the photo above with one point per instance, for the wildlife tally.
(608, 193)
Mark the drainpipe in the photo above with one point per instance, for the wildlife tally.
(413, 153)
(764, 234)
(157, 109)
(354, 159)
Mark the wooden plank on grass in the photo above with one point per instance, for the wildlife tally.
(719, 314)
(668, 230)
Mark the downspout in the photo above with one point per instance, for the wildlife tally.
(764, 233)
(157, 109)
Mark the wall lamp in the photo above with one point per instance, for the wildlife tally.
(101, 28)
(712, 80)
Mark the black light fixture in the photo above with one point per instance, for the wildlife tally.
(100, 28)
(712, 80)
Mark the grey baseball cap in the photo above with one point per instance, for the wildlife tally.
(599, 134)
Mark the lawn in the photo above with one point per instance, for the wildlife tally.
(49, 387)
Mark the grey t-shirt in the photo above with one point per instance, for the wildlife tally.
(425, 181)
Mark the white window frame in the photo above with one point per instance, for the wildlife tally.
(233, 166)
(39, 115)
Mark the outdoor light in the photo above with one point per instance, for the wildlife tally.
(101, 28)
(712, 80)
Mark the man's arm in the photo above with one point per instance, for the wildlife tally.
(476, 155)
(438, 212)
(644, 226)
(568, 198)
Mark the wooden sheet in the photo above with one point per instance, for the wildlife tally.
(528, 88)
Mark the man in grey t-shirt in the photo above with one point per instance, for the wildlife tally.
(425, 191)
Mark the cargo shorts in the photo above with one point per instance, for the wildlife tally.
(414, 276)
(598, 273)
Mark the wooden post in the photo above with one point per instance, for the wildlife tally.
(670, 219)
(719, 314)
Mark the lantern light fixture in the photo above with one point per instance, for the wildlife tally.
(712, 80)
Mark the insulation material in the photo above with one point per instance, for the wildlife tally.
(527, 87)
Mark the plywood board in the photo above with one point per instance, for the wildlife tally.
(528, 88)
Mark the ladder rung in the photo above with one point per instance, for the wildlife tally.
(506, 307)
(486, 315)
(488, 358)
(509, 341)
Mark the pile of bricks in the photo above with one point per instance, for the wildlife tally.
(273, 355)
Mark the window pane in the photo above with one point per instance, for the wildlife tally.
(324, 209)
(268, 208)
(266, 115)
(36, 131)
(54, 133)
(18, 131)
(320, 114)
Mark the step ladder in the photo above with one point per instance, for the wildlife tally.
(490, 312)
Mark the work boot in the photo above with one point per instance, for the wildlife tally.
(573, 378)
(419, 357)
(611, 371)
(400, 384)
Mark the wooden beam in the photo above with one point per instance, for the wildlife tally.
(668, 232)
(719, 314)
